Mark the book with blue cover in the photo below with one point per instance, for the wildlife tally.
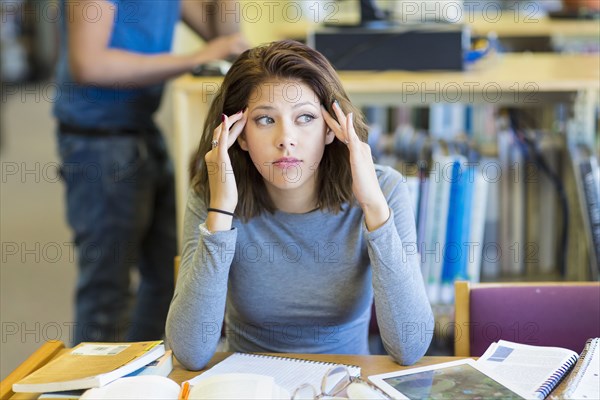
(457, 231)
(435, 231)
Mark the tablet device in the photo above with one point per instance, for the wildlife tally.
(462, 379)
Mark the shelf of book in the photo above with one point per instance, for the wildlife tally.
(533, 191)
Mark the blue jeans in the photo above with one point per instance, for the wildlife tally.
(120, 195)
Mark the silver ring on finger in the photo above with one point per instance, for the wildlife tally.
(214, 143)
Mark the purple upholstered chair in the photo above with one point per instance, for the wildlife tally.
(560, 314)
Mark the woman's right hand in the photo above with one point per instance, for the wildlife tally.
(223, 189)
(222, 47)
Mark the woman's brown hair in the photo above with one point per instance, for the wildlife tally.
(289, 60)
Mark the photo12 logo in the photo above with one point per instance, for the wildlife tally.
(254, 12)
(464, 11)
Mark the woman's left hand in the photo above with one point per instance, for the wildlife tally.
(365, 184)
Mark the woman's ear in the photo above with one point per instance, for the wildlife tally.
(242, 141)
(329, 136)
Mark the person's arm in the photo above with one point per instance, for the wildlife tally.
(92, 61)
(212, 18)
(196, 313)
(404, 314)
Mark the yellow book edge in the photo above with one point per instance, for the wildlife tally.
(90, 365)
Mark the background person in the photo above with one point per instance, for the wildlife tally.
(119, 179)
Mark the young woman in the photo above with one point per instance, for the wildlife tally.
(290, 229)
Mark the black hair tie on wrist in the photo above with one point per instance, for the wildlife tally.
(220, 211)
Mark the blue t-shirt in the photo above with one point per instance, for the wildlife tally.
(141, 26)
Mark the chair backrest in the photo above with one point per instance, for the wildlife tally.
(560, 314)
(176, 263)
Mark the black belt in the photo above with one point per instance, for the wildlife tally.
(102, 132)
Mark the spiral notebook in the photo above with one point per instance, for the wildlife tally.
(584, 380)
(289, 373)
(530, 369)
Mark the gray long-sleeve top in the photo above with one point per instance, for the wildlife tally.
(301, 283)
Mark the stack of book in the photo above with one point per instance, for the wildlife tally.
(92, 365)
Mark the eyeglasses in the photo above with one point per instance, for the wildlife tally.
(335, 384)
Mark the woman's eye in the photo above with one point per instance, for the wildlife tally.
(305, 118)
(264, 120)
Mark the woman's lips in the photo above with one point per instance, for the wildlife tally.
(287, 162)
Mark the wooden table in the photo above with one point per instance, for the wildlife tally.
(370, 365)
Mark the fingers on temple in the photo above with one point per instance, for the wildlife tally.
(350, 132)
(333, 125)
(339, 113)
(224, 131)
(237, 127)
(346, 122)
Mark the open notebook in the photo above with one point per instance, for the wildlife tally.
(584, 381)
(535, 370)
(248, 376)
(289, 373)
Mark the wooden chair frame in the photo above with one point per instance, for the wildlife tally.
(462, 303)
(176, 263)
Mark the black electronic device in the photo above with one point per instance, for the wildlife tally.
(412, 47)
(370, 16)
(583, 13)
(212, 68)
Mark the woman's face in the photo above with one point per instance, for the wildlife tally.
(286, 135)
